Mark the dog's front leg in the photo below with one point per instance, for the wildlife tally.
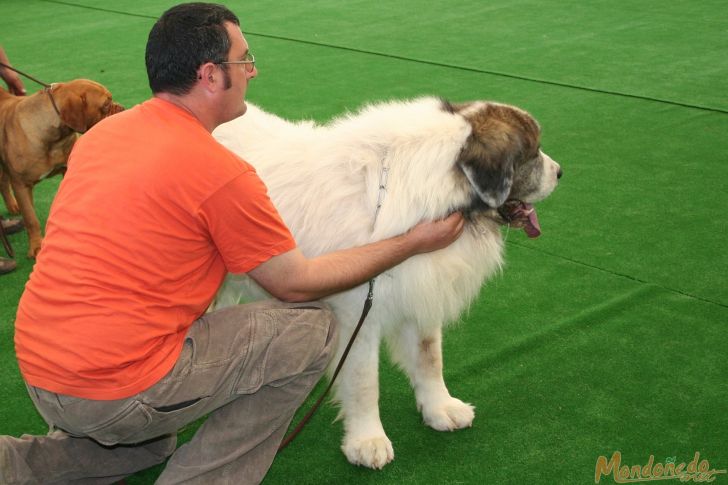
(10, 203)
(24, 196)
(365, 442)
(419, 352)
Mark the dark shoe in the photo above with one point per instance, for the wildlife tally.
(11, 226)
(7, 265)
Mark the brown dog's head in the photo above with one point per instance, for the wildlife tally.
(82, 103)
(503, 162)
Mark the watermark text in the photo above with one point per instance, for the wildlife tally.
(697, 470)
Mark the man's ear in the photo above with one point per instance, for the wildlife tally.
(208, 75)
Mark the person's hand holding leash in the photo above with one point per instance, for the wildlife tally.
(15, 85)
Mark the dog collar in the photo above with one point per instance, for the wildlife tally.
(49, 90)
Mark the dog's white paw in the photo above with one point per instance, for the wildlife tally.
(448, 415)
(373, 452)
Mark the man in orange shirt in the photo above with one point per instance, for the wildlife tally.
(112, 338)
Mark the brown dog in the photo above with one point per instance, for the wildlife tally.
(37, 133)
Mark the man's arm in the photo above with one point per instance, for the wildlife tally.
(292, 277)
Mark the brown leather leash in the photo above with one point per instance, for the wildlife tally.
(367, 305)
(383, 176)
(365, 311)
(48, 87)
(45, 85)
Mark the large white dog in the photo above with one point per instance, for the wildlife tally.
(432, 158)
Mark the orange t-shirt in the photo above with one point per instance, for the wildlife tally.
(151, 215)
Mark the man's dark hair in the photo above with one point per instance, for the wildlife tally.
(185, 37)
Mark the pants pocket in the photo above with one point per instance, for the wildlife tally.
(129, 420)
(251, 372)
(285, 342)
(169, 419)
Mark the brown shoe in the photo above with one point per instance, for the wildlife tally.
(7, 265)
(11, 226)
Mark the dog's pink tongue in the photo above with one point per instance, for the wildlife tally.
(531, 226)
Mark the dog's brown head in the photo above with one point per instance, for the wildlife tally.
(503, 162)
(83, 103)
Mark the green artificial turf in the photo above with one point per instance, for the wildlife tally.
(607, 333)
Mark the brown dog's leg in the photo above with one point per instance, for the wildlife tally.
(24, 195)
(10, 203)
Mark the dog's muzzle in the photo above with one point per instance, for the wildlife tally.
(115, 108)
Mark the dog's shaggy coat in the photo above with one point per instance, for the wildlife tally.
(480, 158)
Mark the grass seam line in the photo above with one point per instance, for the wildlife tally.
(621, 275)
(435, 63)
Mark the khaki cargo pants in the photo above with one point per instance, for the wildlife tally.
(249, 367)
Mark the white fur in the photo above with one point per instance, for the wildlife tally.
(548, 182)
(324, 181)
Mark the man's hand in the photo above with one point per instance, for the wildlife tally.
(15, 85)
(433, 235)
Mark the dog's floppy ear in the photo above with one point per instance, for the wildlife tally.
(72, 107)
(489, 166)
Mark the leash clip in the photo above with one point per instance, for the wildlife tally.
(370, 295)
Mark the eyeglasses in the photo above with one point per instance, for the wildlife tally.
(248, 62)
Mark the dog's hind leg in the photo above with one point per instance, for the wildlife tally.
(419, 352)
(365, 442)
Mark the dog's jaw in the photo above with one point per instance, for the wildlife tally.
(521, 214)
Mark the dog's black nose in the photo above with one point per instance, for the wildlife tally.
(559, 173)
